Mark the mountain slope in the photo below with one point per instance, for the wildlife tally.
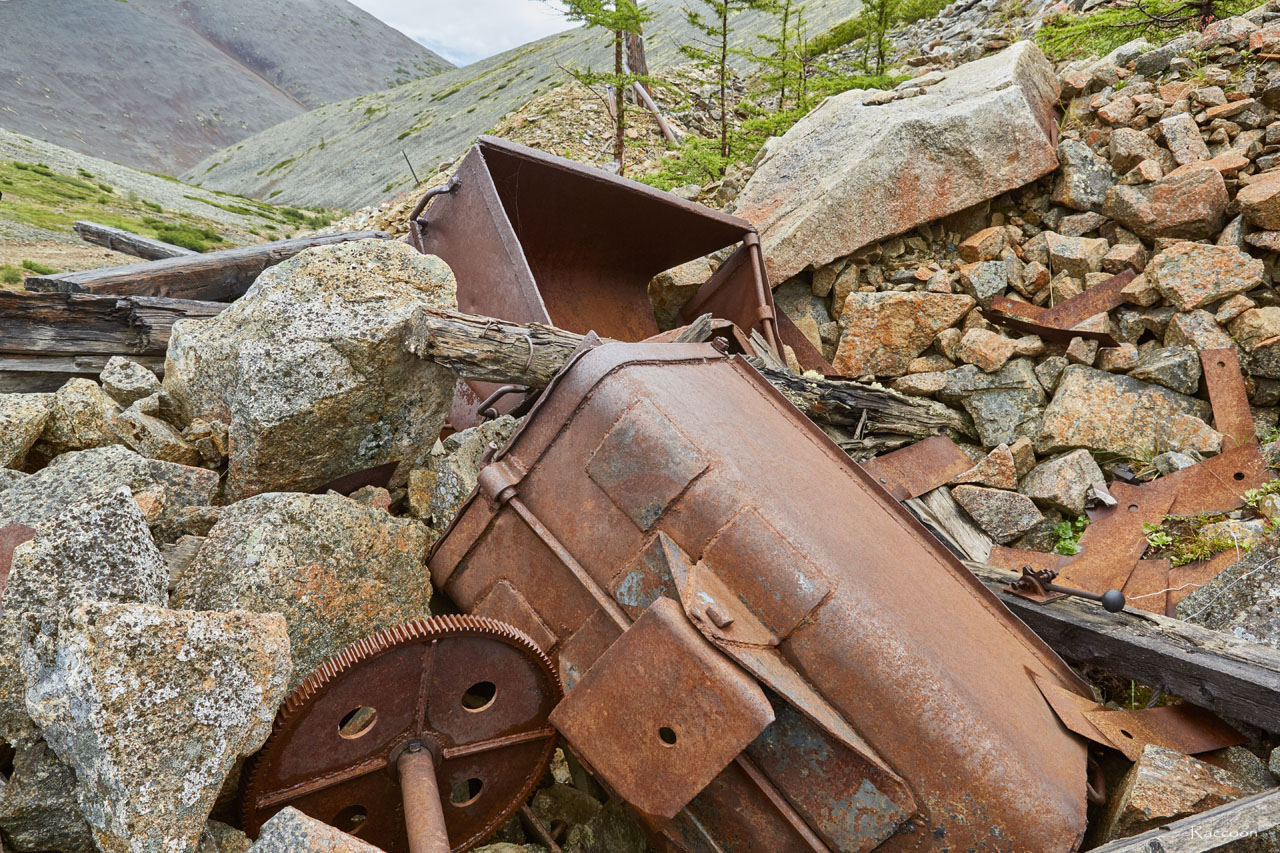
(159, 84)
(348, 154)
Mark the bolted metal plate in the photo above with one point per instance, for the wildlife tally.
(644, 464)
(851, 803)
(771, 576)
(662, 712)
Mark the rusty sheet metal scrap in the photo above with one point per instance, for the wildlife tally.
(534, 238)
(918, 468)
(662, 512)
(1057, 323)
(1115, 540)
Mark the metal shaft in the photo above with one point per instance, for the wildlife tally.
(423, 812)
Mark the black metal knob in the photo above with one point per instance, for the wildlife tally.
(1113, 601)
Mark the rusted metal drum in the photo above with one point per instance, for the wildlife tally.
(535, 238)
(762, 650)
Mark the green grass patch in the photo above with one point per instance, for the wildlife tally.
(38, 269)
(1068, 36)
(191, 237)
(10, 275)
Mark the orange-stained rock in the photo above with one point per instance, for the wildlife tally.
(1260, 201)
(851, 172)
(883, 332)
(1164, 785)
(1107, 411)
(1191, 205)
(1192, 275)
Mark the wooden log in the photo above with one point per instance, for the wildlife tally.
(34, 374)
(1230, 676)
(486, 350)
(1239, 825)
(119, 240)
(49, 324)
(212, 276)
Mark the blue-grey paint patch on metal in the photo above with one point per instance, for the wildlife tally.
(821, 777)
(646, 579)
(644, 463)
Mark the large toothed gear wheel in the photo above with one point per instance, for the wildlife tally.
(469, 695)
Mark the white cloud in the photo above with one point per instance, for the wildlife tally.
(464, 31)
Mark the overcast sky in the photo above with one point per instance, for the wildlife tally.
(463, 31)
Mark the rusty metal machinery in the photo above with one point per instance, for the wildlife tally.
(762, 649)
(420, 739)
(534, 238)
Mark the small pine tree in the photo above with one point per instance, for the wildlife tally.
(878, 16)
(713, 50)
(782, 61)
(620, 18)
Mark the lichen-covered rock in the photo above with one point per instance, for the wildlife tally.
(1183, 138)
(1004, 405)
(1105, 411)
(1196, 329)
(79, 419)
(153, 438)
(1164, 785)
(1063, 482)
(151, 708)
(1075, 256)
(986, 350)
(613, 830)
(336, 569)
(1260, 201)
(38, 807)
(8, 477)
(164, 487)
(1083, 179)
(99, 550)
(290, 831)
(1249, 609)
(1191, 205)
(1192, 275)
(670, 290)
(1176, 368)
(126, 381)
(1003, 515)
(308, 370)
(858, 169)
(998, 469)
(220, 838)
(22, 419)
(1258, 333)
(436, 491)
(883, 332)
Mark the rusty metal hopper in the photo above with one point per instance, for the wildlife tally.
(534, 238)
(762, 650)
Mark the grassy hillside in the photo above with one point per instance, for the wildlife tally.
(159, 84)
(349, 153)
(44, 189)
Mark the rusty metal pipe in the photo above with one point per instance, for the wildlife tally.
(423, 812)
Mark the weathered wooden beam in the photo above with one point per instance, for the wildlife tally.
(49, 324)
(33, 374)
(1239, 825)
(1227, 675)
(119, 240)
(486, 350)
(212, 276)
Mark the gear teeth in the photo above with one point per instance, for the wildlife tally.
(371, 646)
